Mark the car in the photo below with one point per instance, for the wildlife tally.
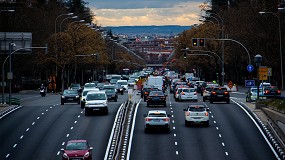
(272, 91)
(113, 81)
(76, 86)
(124, 84)
(70, 96)
(157, 119)
(145, 91)
(219, 94)
(198, 114)
(206, 93)
(264, 84)
(189, 94)
(119, 88)
(96, 101)
(77, 149)
(111, 94)
(89, 85)
(156, 98)
(106, 86)
(83, 95)
(131, 82)
(100, 86)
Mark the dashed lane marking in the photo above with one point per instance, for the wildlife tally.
(27, 129)
(71, 128)
(176, 152)
(7, 155)
(223, 144)
(220, 135)
(175, 143)
(67, 135)
(63, 143)
(38, 118)
(174, 135)
(21, 136)
(15, 145)
(33, 123)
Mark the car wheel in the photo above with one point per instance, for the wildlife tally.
(78, 102)
(203, 99)
(247, 99)
(146, 130)
(228, 101)
(62, 103)
(116, 100)
(144, 99)
(207, 124)
(122, 92)
(106, 111)
(86, 112)
(167, 130)
(82, 105)
(186, 123)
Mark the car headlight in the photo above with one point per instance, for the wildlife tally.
(104, 103)
(62, 97)
(65, 155)
(87, 154)
(86, 103)
(77, 96)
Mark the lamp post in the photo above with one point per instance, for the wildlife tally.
(68, 14)
(258, 60)
(74, 17)
(7, 10)
(80, 21)
(280, 45)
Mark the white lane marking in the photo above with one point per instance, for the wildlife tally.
(220, 135)
(210, 112)
(21, 136)
(71, 128)
(58, 153)
(214, 121)
(15, 145)
(7, 155)
(78, 116)
(63, 143)
(43, 113)
(38, 118)
(212, 116)
(173, 127)
(174, 135)
(175, 143)
(223, 144)
(33, 123)
(46, 110)
(176, 152)
(171, 111)
(227, 153)
(172, 121)
(171, 108)
(27, 129)
(75, 121)
(50, 107)
(67, 135)
(172, 116)
(81, 112)
(217, 128)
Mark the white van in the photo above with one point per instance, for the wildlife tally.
(157, 81)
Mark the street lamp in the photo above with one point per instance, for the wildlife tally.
(80, 21)
(74, 17)
(258, 60)
(68, 14)
(280, 45)
(7, 10)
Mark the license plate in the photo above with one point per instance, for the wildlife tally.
(96, 109)
(220, 95)
(70, 99)
(156, 120)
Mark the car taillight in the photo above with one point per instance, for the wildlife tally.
(147, 119)
(214, 93)
(206, 114)
(267, 91)
(195, 93)
(226, 92)
(166, 119)
(187, 113)
(278, 92)
(182, 93)
(145, 93)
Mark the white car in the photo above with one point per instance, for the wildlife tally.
(157, 119)
(83, 95)
(198, 114)
(96, 101)
(188, 94)
(123, 83)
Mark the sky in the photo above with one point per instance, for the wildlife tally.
(145, 12)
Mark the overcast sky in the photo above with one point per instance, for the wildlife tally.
(145, 12)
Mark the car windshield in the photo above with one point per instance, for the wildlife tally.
(188, 90)
(254, 90)
(70, 92)
(122, 83)
(84, 93)
(89, 85)
(156, 115)
(110, 91)
(76, 146)
(97, 96)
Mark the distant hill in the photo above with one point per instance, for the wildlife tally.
(148, 30)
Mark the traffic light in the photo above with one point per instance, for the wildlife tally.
(185, 55)
(202, 42)
(194, 42)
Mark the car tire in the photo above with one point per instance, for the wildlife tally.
(167, 130)
(147, 105)
(106, 111)
(247, 99)
(204, 99)
(62, 103)
(86, 112)
(164, 105)
(78, 102)
(186, 123)
(144, 99)
(116, 100)
(82, 105)
(228, 101)
(211, 101)
(146, 130)
(207, 124)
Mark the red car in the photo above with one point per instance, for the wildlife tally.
(77, 149)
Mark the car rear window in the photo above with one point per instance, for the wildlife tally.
(198, 109)
(156, 115)
(156, 94)
(97, 96)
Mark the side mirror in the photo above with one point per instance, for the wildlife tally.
(91, 148)
(62, 150)
(185, 110)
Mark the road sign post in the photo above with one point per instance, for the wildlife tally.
(263, 73)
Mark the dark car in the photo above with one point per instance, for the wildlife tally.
(219, 94)
(145, 91)
(70, 96)
(119, 88)
(111, 94)
(76, 86)
(272, 91)
(156, 98)
(77, 149)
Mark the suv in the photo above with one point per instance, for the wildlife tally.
(206, 93)
(111, 94)
(70, 96)
(145, 91)
(197, 114)
(83, 95)
(77, 149)
(96, 101)
(157, 119)
(219, 94)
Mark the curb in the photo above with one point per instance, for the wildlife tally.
(9, 110)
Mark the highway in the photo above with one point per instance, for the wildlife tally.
(231, 135)
(39, 129)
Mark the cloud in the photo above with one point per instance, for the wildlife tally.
(184, 13)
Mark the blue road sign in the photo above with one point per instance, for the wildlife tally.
(249, 68)
(249, 83)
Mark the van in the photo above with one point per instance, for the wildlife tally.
(156, 81)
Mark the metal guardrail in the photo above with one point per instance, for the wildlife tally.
(14, 100)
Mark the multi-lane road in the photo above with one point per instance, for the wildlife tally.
(41, 127)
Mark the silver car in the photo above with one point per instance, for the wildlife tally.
(157, 119)
(188, 94)
(198, 114)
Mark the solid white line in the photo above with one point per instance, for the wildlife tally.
(27, 129)
(15, 145)
(7, 155)
(175, 143)
(174, 135)
(71, 128)
(260, 130)
(22, 137)
(67, 135)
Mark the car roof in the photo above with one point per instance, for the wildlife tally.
(92, 92)
(196, 105)
(157, 111)
(91, 89)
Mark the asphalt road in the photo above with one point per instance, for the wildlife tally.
(232, 135)
(39, 129)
